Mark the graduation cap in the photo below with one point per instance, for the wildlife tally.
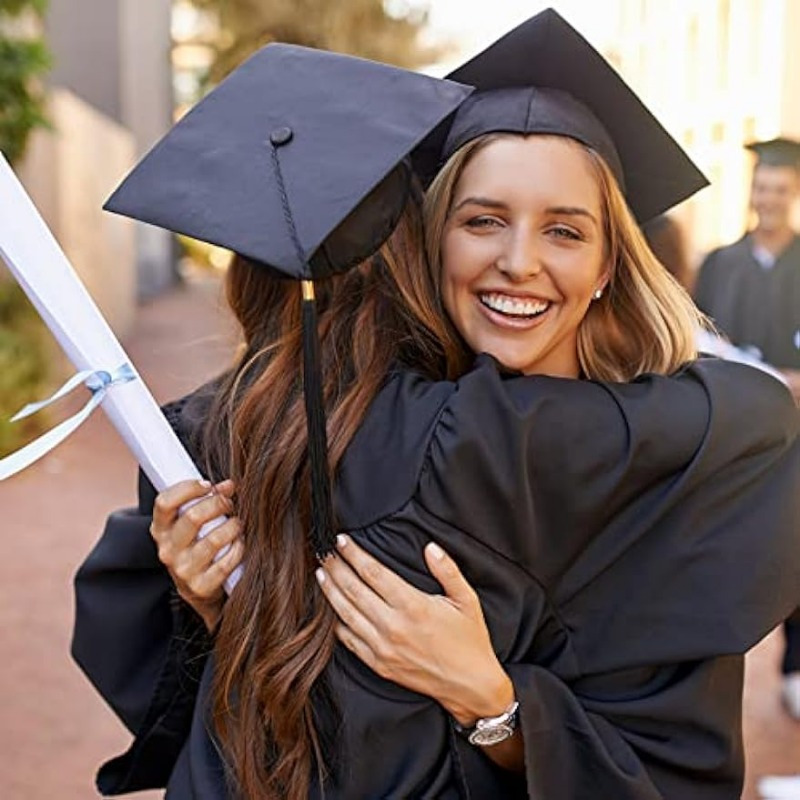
(544, 77)
(779, 152)
(297, 161)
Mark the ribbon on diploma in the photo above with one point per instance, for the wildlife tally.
(98, 382)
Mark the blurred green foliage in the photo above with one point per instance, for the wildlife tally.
(24, 59)
(24, 344)
(24, 361)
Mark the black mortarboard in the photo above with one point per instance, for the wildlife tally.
(297, 161)
(544, 77)
(778, 152)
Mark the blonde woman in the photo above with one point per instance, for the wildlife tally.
(550, 561)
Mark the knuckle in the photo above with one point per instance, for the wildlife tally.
(345, 615)
(194, 516)
(371, 572)
(224, 534)
(165, 553)
(162, 504)
(183, 572)
(393, 633)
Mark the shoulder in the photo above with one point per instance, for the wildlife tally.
(747, 402)
(187, 415)
(382, 464)
(725, 255)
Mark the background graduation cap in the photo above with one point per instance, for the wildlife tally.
(544, 77)
(296, 162)
(779, 152)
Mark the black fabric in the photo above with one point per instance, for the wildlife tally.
(754, 306)
(544, 77)
(296, 133)
(628, 541)
(791, 655)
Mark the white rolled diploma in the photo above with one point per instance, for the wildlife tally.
(38, 263)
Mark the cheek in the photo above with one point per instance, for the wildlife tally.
(578, 279)
(458, 268)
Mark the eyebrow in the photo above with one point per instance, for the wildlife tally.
(486, 202)
(480, 201)
(573, 211)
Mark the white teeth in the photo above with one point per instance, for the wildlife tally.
(514, 305)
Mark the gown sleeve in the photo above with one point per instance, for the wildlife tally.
(662, 531)
(674, 737)
(141, 646)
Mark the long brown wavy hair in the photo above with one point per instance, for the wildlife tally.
(277, 633)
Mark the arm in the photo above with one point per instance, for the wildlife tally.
(645, 735)
(437, 645)
(141, 645)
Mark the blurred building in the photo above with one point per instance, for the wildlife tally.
(718, 73)
(110, 100)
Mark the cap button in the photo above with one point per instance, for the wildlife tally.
(281, 136)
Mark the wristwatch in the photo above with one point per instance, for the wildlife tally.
(492, 730)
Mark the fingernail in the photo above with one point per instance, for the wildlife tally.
(436, 551)
(321, 577)
(342, 540)
(204, 483)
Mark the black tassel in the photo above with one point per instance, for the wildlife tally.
(322, 526)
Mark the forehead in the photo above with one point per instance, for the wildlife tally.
(532, 166)
(772, 175)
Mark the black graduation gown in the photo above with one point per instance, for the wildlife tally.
(753, 306)
(628, 541)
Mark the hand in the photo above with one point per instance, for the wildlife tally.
(194, 564)
(437, 645)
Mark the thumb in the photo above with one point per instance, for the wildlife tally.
(445, 570)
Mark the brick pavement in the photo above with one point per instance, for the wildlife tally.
(54, 729)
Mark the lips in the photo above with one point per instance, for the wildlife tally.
(522, 308)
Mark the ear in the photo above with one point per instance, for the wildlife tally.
(605, 279)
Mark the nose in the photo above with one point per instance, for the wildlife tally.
(521, 257)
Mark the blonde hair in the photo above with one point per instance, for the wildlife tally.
(644, 322)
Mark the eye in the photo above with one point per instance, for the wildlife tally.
(563, 232)
(483, 222)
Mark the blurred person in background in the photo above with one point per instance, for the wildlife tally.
(751, 289)
(666, 239)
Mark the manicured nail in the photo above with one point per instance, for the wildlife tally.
(204, 483)
(436, 551)
(321, 576)
(341, 541)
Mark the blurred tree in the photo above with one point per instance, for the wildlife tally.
(24, 58)
(383, 30)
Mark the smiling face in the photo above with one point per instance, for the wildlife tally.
(523, 252)
(773, 192)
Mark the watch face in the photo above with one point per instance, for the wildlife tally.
(486, 737)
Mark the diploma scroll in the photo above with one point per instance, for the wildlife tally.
(37, 262)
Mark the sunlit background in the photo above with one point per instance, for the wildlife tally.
(717, 73)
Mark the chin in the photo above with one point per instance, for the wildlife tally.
(513, 362)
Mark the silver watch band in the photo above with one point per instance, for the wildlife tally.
(489, 731)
